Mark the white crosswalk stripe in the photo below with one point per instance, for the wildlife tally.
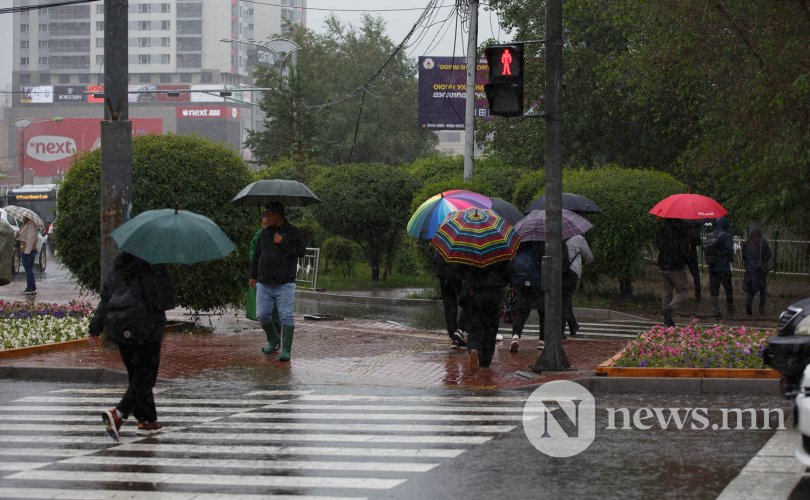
(294, 443)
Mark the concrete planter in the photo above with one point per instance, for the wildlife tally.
(606, 369)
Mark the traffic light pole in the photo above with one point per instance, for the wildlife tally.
(469, 115)
(116, 131)
(553, 358)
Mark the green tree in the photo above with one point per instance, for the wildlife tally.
(624, 227)
(191, 173)
(368, 204)
(349, 98)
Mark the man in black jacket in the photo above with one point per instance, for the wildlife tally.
(272, 272)
(672, 242)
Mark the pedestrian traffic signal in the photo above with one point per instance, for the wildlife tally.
(505, 88)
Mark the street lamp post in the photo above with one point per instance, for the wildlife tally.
(22, 125)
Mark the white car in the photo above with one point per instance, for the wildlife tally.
(16, 224)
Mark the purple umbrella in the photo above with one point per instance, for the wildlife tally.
(533, 226)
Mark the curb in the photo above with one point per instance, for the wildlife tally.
(581, 312)
(69, 375)
(680, 386)
(35, 349)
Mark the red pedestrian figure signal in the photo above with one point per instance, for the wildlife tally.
(505, 88)
(506, 61)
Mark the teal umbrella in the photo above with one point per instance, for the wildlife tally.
(171, 236)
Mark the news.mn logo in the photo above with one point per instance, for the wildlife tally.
(559, 418)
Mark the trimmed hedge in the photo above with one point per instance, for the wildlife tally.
(171, 170)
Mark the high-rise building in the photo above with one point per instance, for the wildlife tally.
(181, 46)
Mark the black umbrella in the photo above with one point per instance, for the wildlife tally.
(570, 201)
(511, 213)
(288, 193)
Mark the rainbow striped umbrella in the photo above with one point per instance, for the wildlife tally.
(430, 214)
(477, 237)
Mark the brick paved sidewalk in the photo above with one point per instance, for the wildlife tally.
(350, 351)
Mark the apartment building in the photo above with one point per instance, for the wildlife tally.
(182, 47)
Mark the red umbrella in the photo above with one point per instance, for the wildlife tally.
(688, 206)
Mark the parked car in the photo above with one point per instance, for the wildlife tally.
(42, 240)
(789, 354)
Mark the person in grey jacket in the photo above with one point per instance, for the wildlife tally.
(272, 272)
(579, 254)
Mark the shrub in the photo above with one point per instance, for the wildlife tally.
(191, 173)
(341, 253)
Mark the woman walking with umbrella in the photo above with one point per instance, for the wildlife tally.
(136, 294)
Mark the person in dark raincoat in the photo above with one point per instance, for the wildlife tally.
(756, 257)
(449, 276)
(720, 270)
(482, 292)
(141, 355)
(527, 285)
(673, 252)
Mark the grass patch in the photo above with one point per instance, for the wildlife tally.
(334, 281)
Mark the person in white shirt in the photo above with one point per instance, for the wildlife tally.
(579, 254)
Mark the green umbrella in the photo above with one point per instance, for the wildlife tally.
(288, 193)
(171, 236)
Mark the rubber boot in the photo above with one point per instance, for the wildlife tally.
(272, 338)
(730, 307)
(716, 306)
(286, 342)
(668, 317)
(762, 309)
(748, 310)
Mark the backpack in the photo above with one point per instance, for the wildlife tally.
(711, 248)
(526, 267)
(126, 318)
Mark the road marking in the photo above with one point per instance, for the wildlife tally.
(198, 449)
(264, 465)
(106, 494)
(221, 448)
(453, 417)
(281, 426)
(197, 480)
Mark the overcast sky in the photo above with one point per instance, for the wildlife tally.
(436, 40)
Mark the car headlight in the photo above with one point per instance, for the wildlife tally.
(803, 327)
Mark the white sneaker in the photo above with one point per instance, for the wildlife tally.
(540, 345)
(499, 337)
(515, 345)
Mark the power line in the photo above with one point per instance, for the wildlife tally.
(26, 8)
(328, 9)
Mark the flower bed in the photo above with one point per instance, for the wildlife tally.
(23, 324)
(693, 346)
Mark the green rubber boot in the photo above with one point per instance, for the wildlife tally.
(272, 338)
(286, 342)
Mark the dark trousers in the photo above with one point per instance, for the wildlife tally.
(142, 362)
(449, 289)
(694, 270)
(749, 298)
(483, 319)
(717, 278)
(526, 299)
(27, 261)
(569, 285)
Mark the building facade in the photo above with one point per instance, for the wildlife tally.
(181, 55)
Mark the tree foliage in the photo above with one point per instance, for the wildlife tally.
(368, 204)
(717, 93)
(167, 171)
(329, 97)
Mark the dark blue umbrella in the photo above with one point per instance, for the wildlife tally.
(570, 201)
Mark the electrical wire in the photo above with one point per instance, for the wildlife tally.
(329, 9)
(26, 8)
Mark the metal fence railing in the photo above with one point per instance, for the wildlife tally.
(789, 258)
(307, 274)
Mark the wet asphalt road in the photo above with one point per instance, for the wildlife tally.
(629, 463)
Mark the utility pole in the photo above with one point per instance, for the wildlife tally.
(553, 357)
(116, 131)
(469, 115)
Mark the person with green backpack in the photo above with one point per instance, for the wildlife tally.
(272, 272)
